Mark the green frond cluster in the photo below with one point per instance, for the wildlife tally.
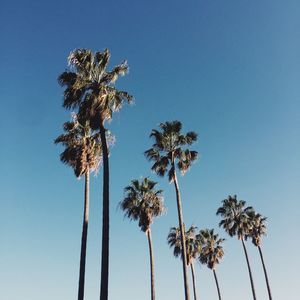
(142, 202)
(83, 151)
(241, 221)
(90, 87)
(258, 228)
(204, 246)
(167, 150)
(212, 250)
(193, 247)
(235, 217)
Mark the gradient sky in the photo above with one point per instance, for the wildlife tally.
(228, 70)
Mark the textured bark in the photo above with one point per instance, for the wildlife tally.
(182, 234)
(265, 271)
(151, 264)
(217, 284)
(194, 281)
(105, 219)
(249, 269)
(84, 236)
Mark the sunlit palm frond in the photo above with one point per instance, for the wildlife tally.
(235, 217)
(212, 250)
(167, 151)
(193, 247)
(83, 149)
(142, 202)
(90, 86)
(258, 227)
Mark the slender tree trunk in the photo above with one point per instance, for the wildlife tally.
(182, 235)
(217, 284)
(194, 280)
(249, 269)
(265, 271)
(84, 236)
(105, 218)
(151, 264)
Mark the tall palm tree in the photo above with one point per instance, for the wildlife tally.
(212, 251)
(91, 88)
(83, 153)
(258, 229)
(143, 203)
(236, 222)
(193, 248)
(167, 153)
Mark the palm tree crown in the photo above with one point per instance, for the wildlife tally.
(90, 86)
(258, 228)
(168, 148)
(212, 250)
(235, 217)
(193, 247)
(142, 202)
(83, 149)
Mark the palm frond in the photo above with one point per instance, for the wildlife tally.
(193, 247)
(90, 86)
(235, 216)
(167, 149)
(258, 227)
(83, 150)
(142, 202)
(212, 250)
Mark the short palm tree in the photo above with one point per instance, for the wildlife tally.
(193, 249)
(91, 88)
(236, 222)
(258, 230)
(83, 153)
(211, 251)
(143, 203)
(168, 152)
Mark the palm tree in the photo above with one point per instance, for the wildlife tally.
(83, 153)
(91, 88)
(258, 229)
(167, 152)
(236, 222)
(193, 249)
(143, 203)
(212, 251)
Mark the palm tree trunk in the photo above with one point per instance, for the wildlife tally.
(105, 218)
(182, 235)
(151, 263)
(265, 271)
(194, 280)
(217, 284)
(249, 269)
(84, 236)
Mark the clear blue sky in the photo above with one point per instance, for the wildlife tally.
(228, 70)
